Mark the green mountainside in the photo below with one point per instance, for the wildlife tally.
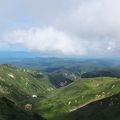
(76, 94)
(20, 84)
(105, 109)
(56, 95)
(10, 111)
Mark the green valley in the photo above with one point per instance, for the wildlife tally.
(56, 95)
(59, 60)
(78, 93)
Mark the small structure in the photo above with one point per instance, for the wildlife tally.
(34, 96)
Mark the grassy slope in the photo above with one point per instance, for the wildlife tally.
(63, 77)
(9, 111)
(76, 94)
(18, 85)
(24, 84)
(106, 109)
(53, 103)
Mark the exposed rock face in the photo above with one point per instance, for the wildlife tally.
(11, 75)
(28, 107)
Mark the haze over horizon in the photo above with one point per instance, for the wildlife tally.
(70, 28)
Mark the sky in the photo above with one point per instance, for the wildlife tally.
(65, 27)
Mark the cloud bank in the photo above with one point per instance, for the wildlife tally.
(82, 27)
(45, 40)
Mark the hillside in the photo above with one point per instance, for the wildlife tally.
(106, 109)
(20, 88)
(78, 93)
(111, 72)
(19, 84)
(54, 94)
(9, 111)
(63, 77)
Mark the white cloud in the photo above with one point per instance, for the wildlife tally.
(98, 22)
(46, 40)
(78, 28)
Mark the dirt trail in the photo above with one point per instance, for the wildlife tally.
(81, 106)
(78, 107)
